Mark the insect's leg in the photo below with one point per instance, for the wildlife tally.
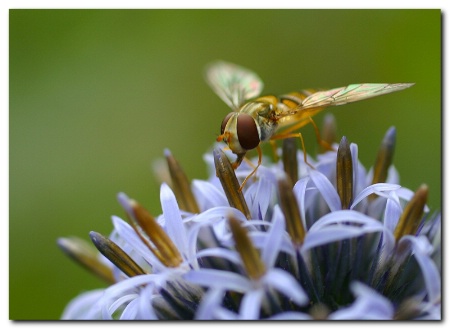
(258, 148)
(326, 146)
(274, 150)
(299, 135)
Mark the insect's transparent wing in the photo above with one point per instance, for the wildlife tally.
(232, 83)
(351, 93)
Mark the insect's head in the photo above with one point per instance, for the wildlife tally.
(240, 132)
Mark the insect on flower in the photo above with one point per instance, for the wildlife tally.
(268, 118)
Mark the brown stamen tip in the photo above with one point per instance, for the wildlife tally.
(116, 255)
(290, 161)
(344, 173)
(328, 131)
(412, 214)
(180, 185)
(291, 211)
(250, 257)
(87, 256)
(163, 247)
(229, 181)
(384, 157)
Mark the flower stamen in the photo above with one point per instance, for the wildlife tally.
(229, 181)
(384, 159)
(116, 255)
(291, 211)
(344, 173)
(163, 247)
(412, 214)
(87, 256)
(290, 162)
(250, 258)
(180, 185)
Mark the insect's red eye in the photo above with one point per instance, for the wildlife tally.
(224, 122)
(247, 131)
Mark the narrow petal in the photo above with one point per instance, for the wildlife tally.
(251, 305)
(326, 189)
(378, 189)
(211, 301)
(274, 238)
(174, 223)
(290, 316)
(422, 250)
(219, 280)
(392, 212)
(129, 235)
(208, 195)
(369, 305)
(84, 306)
(286, 284)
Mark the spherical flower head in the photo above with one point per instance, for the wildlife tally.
(317, 239)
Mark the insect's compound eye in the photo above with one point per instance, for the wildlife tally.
(224, 122)
(247, 131)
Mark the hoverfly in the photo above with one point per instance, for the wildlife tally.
(257, 119)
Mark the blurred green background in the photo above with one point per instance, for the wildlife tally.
(96, 95)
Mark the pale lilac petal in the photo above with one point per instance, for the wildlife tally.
(343, 217)
(251, 305)
(131, 310)
(369, 305)
(290, 316)
(84, 307)
(208, 195)
(110, 309)
(422, 249)
(392, 212)
(326, 189)
(406, 194)
(258, 197)
(128, 234)
(274, 238)
(378, 189)
(211, 301)
(219, 280)
(145, 311)
(286, 284)
(230, 255)
(174, 223)
(300, 192)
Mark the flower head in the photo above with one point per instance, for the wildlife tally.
(319, 240)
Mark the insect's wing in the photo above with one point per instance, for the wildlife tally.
(351, 93)
(232, 83)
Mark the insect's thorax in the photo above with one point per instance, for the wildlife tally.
(264, 111)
